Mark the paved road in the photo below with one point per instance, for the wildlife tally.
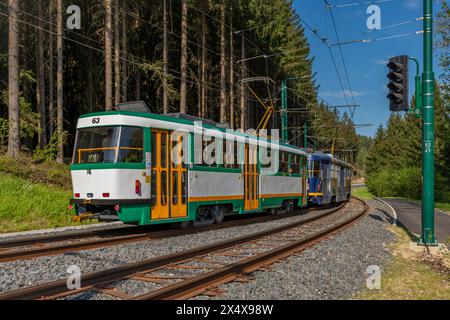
(409, 214)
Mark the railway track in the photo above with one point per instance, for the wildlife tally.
(30, 248)
(198, 271)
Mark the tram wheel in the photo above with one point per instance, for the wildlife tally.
(218, 214)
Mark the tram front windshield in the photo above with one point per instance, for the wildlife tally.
(117, 144)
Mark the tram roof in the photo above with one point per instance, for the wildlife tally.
(85, 122)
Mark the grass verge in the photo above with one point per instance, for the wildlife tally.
(26, 205)
(48, 173)
(362, 193)
(412, 274)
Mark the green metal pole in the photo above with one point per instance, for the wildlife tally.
(305, 143)
(284, 119)
(428, 168)
(419, 94)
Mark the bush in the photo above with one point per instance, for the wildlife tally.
(4, 130)
(390, 182)
(50, 151)
(405, 183)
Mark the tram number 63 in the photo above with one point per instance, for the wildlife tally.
(96, 121)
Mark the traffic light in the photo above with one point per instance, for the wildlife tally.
(398, 83)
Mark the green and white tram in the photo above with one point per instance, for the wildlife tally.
(127, 166)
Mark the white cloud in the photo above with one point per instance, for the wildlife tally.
(412, 4)
(340, 94)
(381, 62)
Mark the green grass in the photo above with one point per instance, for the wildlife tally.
(409, 276)
(26, 205)
(48, 173)
(362, 193)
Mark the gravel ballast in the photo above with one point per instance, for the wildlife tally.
(19, 274)
(331, 270)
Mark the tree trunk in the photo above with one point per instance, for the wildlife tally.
(124, 53)
(13, 81)
(51, 79)
(90, 66)
(184, 57)
(242, 93)
(108, 57)
(232, 115)
(40, 87)
(117, 74)
(203, 103)
(59, 81)
(138, 84)
(165, 61)
(223, 85)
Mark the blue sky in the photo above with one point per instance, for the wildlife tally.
(366, 63)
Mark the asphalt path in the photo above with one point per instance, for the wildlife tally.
(409, 214)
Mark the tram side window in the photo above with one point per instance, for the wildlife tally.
(266, 155)
(284, 162)
(131, 148)
(231, 155)
(316, 169)
(209, 155)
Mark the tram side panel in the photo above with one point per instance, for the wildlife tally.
(208, 188)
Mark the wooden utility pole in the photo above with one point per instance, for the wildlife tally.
(184, 56)
(13, 81)
(108, 57)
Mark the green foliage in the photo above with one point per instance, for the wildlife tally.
(393, 164)
(364, 145)
(389, 182)
(50, 151)
(4, 130)
(49, 173)
(29, 120)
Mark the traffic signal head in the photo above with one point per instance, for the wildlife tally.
(398, 83)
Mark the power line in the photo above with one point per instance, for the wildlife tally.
(368, 41)
(353, 4)
(342, 56)
(396, 25)
(324, 41)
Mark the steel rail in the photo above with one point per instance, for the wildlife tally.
(30, 253)
(59, 288)
(41, 239)
(195, 286)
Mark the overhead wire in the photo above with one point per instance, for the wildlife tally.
(342, 56)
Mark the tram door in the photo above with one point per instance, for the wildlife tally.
(251, 178)
(169, 179)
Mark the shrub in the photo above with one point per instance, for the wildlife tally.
(389, 182)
